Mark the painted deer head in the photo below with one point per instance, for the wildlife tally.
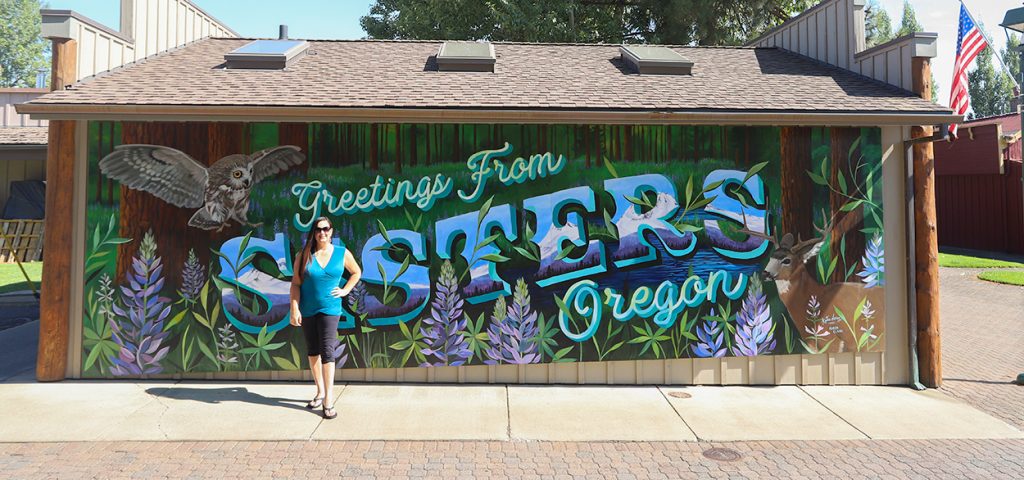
(789, 260)
(831, 317)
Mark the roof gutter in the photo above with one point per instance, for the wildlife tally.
(228, 113)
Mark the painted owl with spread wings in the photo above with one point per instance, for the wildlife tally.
(221, 192)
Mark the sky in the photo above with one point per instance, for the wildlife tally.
(941, 16)
(307, 19)
(339, 19)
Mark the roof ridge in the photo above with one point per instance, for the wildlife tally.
(538, 76)
(433, 41)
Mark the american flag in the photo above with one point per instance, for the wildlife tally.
(969, 44)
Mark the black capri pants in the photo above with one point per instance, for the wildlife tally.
(321, 332)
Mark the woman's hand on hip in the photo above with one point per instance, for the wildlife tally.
(338, 292)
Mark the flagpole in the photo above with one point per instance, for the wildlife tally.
(991, 45)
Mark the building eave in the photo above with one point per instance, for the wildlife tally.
(242, 113)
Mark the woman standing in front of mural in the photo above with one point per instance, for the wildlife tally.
(316, 295)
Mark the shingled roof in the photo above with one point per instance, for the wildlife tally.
(23, 136)
(403, 74)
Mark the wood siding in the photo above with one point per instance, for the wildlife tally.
(984, 212)
(148, 27)
(160, 25)
(979, 190)
(977, 151)
(9, 97)
(833, 32)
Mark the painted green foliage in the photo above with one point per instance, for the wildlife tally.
(222, 314)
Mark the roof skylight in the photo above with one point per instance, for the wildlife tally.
(266, 54)
(466, 57)
(655, 60)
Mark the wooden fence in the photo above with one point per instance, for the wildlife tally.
(22, 240)
(983, 212)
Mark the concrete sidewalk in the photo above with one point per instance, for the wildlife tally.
(196, 411)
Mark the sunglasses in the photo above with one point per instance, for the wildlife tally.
(323, 229)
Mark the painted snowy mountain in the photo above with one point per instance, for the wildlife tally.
(551, 245)
(629, 229)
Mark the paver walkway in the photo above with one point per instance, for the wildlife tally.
(916, 459)
(982, 352)
(983, 343)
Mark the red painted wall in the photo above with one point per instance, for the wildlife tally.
(984, 212)
(975, 152)
(980, 199)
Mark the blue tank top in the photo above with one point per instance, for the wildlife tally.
(315, 290)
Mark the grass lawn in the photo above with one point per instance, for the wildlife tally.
(11, 278)
(1009, 277)
(962, 261)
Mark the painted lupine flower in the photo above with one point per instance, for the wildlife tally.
(227, 343)
(819, 332)
(510, 337)
(494, 334)
(754, 327)
(105, 296)
(709, 336)
(340, 355)
(500, 310)
(193, 277)
(813, 308)
(442, 330)
(357, 299)
(868, 331)
(138, 326)
(868, 311)
(874, 264)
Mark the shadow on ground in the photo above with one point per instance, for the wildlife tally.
(225, 395)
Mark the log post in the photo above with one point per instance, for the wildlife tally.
(64, 63)
(55, 296)
(926, 247)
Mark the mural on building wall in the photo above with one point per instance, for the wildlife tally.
(481, 244)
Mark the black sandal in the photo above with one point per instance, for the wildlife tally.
(315, 403)
(333, 413)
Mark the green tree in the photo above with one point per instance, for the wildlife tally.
(684, 22)
(22, 49)
(909, 23)
(1011, 57)
(878, 28)
(991, 90)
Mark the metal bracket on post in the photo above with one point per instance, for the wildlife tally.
(941, 134)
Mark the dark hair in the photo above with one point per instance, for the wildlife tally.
(307, 249)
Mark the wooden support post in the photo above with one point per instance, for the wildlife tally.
(64, 63)
(926, 248)
(55, 295)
